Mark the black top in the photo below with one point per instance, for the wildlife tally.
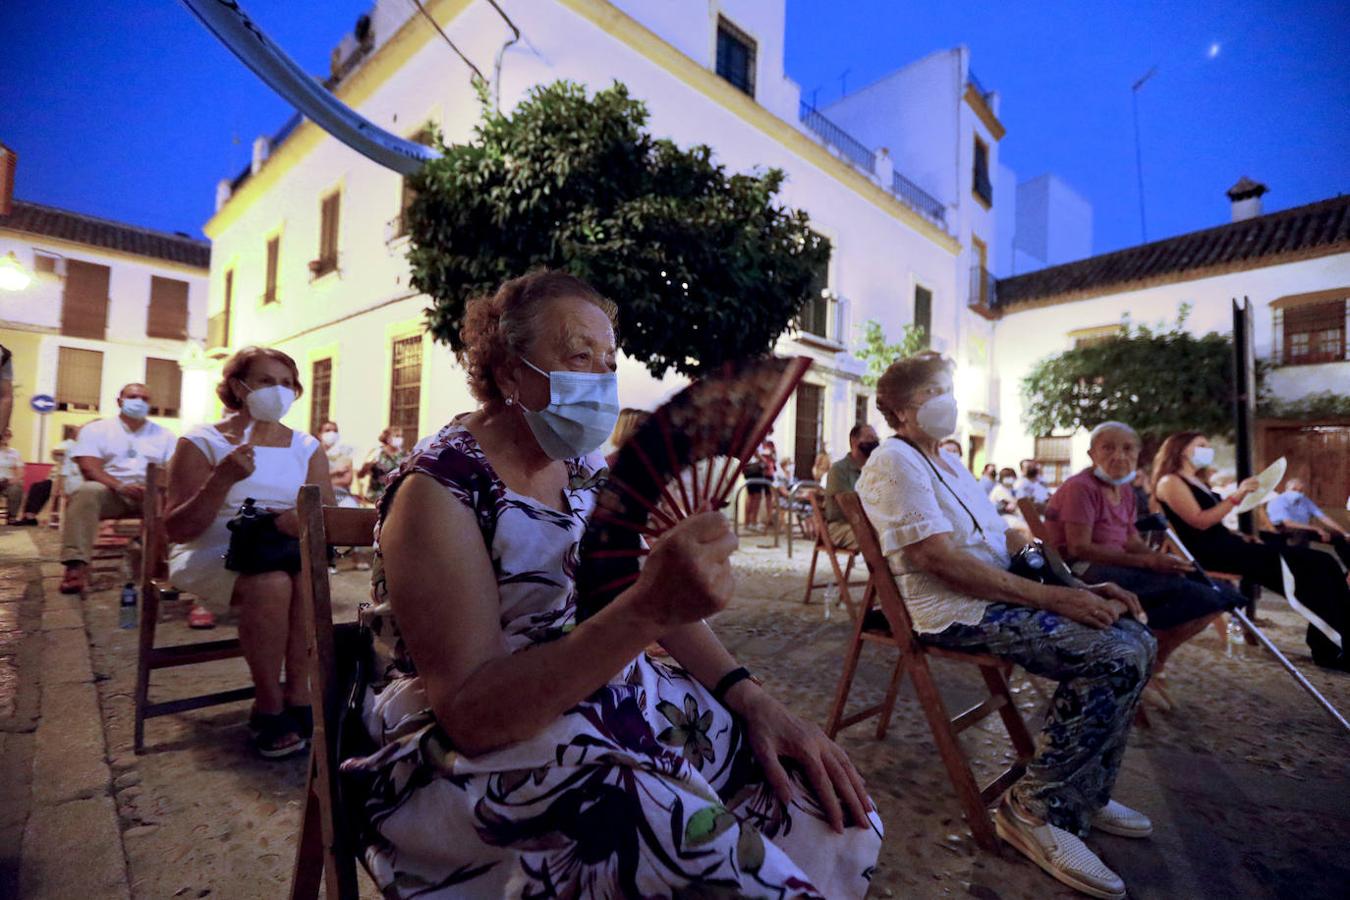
(1212, 545)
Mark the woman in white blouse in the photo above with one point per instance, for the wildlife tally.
(950, 551)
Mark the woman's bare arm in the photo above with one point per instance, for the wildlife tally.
(195, 493)
(1173, 491)
(444, 594)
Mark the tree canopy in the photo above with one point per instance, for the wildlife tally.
(1158, 380)
(879, 355)
(704, 266)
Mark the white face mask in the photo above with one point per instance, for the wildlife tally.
(937, 416)
(396, 442)
(269, 404)
(1009, 482)
(330, 438)
(136, 407)
(1202, 457)
(582, 410)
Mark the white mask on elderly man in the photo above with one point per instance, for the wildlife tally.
(1202, 457)
(582, 410)
(330, 438)
(937, 416)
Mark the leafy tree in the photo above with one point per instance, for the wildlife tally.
(878, 354)
(1158, 380)
(1321, 405)
(704, 266)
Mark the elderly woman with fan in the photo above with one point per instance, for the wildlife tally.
(951, 552)
(524, 753)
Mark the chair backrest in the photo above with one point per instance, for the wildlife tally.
(1027, 507)
(154, 542)
(879, 570)
(322, 527)
(818, 518)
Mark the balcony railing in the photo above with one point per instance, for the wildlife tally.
(217, 328)
(918, 199)
(983, 297)
(858, 153)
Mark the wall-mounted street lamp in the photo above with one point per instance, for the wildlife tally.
(13, 276)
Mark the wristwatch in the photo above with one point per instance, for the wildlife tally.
(729, 680)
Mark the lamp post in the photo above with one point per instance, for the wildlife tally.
(13, 276)
(1138, 154)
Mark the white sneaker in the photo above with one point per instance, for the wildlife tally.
(1062, 855)
(1117, 818)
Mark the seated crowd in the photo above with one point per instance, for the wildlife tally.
(624, 775)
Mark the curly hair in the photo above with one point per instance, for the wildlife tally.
(238, 365)
(903, 377)
(499, 327)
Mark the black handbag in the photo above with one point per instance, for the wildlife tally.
(258, 545)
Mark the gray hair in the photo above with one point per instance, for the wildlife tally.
(1110, 426)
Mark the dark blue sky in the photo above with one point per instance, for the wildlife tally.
(131, 110)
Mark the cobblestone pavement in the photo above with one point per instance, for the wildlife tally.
(1247, 782)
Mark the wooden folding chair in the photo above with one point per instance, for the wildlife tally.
(327, 847)
(825, 544)
(893, 628)
(155, 588)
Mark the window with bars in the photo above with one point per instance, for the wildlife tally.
(84, 303)
(860, 411)
(1311, 332)
(807, 439)
(736, 56)
(984, 188)
(164, 381)
(168, 314)
(1090, 337)
(425, 137)
(328, 235)
(815, 315)
(45, 264)
(320, 393)
(1054, 453)
(273, 260)
(923, 312)
(79, 379)
(405, 392)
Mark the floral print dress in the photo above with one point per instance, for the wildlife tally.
(648, 788)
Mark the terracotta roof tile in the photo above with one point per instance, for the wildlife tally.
(48, 221)
(1322, 227)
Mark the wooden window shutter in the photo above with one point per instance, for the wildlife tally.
(273, 252)
(84, 306)
(168, 316)
(164, 380)
(79, 378)
(328, 232)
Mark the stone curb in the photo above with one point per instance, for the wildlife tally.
(73, 815)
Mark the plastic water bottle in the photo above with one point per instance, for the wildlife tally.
(126, 613)
(1236, 638)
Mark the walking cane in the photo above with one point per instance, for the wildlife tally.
(1158, 519)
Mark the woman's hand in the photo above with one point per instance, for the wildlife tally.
(237, 465)
(1167, 564)
(1110, 591)
(1248, 486)
(775, 733)
(687, 576)
(1084, 606)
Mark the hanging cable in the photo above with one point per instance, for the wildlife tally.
(434, 24)
(497, 65)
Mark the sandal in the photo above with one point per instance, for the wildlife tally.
(75, 580)
(277, 736)
(201, 617)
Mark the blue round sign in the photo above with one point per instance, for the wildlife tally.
(42, 403)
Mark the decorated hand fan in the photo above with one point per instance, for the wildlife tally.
(684, 459)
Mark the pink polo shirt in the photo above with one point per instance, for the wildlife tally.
(1084, 499)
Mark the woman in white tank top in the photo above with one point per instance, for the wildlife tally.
(213, 470)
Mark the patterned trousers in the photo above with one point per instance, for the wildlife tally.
(1101, 673)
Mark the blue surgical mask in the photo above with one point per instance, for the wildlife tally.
(1102, 476)
(136, 407)
(582, 410)
(1201, 457)
(1293, 495)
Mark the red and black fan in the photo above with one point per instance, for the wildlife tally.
(685, 458)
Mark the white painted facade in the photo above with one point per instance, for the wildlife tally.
(1026, 336)
(30, 326)
(351, 316)
(1053, 225)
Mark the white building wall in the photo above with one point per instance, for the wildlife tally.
(30, 324)
(877, 256)
(1024, 337)
(1053, 223)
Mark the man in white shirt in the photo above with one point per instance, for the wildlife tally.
(1030, 486)
(112, 455)
(11, 477)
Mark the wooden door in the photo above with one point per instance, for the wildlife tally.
(1318, 452)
